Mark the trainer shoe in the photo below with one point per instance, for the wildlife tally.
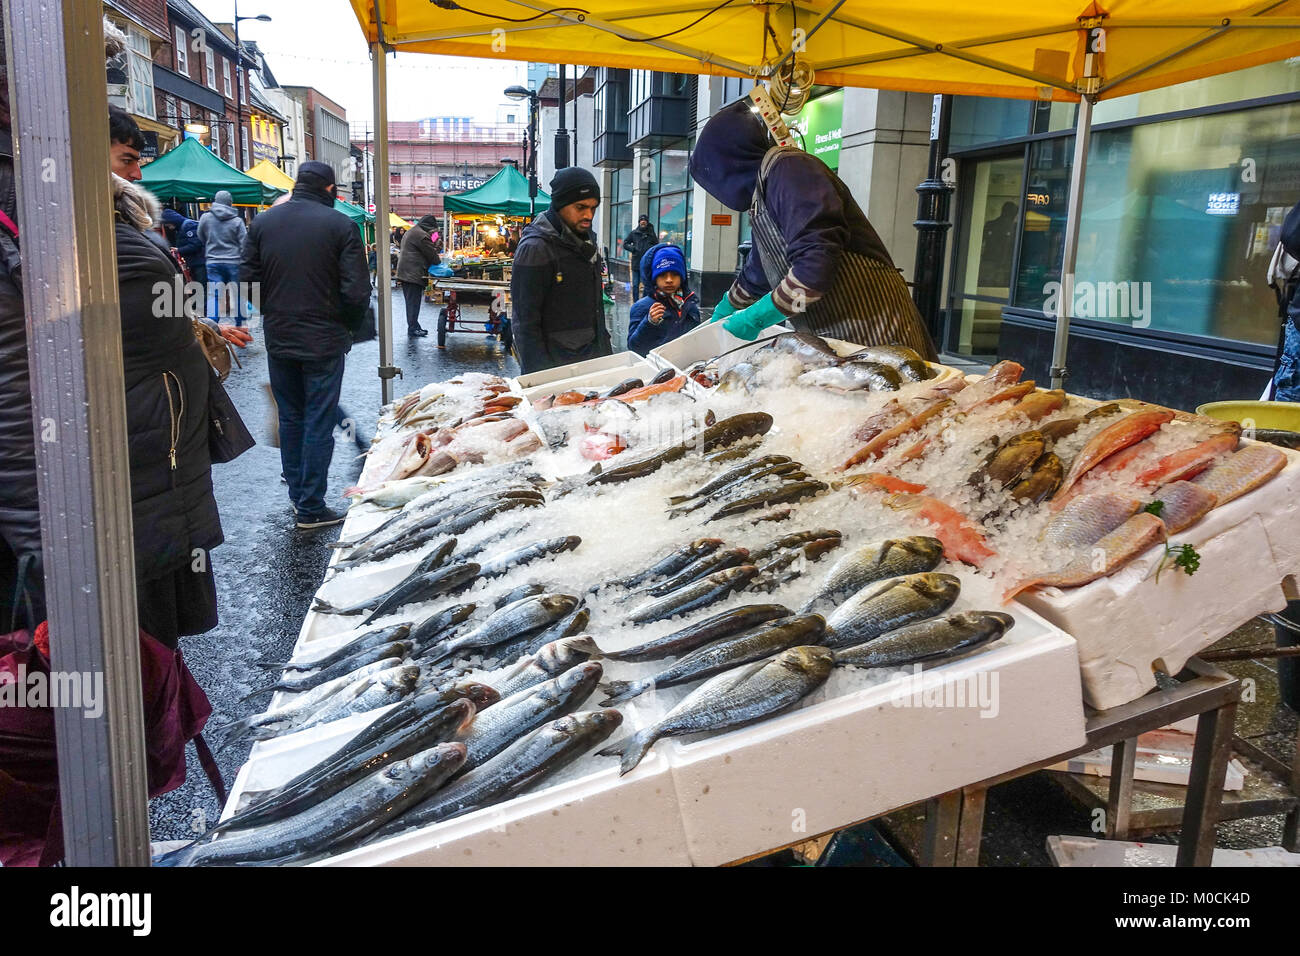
(319, 519)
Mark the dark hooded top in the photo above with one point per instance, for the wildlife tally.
(817, 214)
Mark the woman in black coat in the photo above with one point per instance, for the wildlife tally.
(167, 378)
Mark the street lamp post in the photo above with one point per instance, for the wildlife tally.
(239, 80)
(519, 93)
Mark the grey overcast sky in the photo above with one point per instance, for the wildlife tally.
(318, 43)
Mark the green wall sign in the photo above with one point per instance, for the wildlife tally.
(822, 123)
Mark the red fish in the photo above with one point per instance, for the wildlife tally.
(1129, 430)
(1190, 462)
(961, 539)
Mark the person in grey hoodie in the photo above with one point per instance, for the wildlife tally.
(222, 232)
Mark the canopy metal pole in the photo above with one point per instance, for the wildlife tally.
(1065, 301)
(74, 343)
(383, 264)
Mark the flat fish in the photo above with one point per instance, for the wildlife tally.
(1243, 472)
(932, 640)
(1132, 538)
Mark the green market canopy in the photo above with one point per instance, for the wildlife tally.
(505, 194)
(193, 173)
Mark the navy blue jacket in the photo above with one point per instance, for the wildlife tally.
(643, 335)
(186, 237)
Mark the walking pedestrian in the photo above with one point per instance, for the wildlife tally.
(636, 245)
(223, 232)
(311, 265)
(555, 286)
(418, 253)
(184, 235)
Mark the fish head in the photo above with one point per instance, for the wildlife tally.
(569, 543)
(703, 546)
(935, 586)
(480, 695)
(921, 545)
(558, 604)
(742, 572)
(401, 678)
(596, 725)
(564, 653)
(1003, 622)
(814, 661)
(579, 680)
(444, 756)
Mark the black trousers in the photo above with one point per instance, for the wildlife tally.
(413, 292)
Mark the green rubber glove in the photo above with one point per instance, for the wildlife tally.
(722, 309)
(750, 321)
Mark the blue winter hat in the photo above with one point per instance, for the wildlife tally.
(667, 259)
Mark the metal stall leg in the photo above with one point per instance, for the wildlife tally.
(971, 826)
(1119, 797)
(1205, 786)
(942, 824)
(1291, 829)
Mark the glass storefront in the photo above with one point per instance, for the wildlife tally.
(621, 210)
(669, 206)
(1180, 213)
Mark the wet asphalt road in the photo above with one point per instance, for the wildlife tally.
(267, 571)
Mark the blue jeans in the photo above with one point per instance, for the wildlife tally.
(1287, 380)
(220, 273)
(307, 396)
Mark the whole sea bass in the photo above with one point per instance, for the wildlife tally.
(931, 640)
(347, 816)
(875, 562)
(886, 605)
(733, 699)
(521, 765)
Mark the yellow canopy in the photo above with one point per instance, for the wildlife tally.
(271, 174)
(394, 220)
(1025, 49)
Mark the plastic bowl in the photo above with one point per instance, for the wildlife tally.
(1283, 415)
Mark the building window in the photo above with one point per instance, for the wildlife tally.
(141, 63)
(169, 108)
(620, 216)
(225, 77)
(245, 151)
(669, 208)
(182, 52)
(185, 114)
(216, 139)
(209, 63)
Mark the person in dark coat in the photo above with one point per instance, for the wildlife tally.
(310, 262)
(418, 253)
(816, 262)
(555, 285)
(636, 245)
(671, 308)
(1286, 379)
(167, 378)
(184, 235)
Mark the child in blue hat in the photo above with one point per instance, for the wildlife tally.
(671, 309)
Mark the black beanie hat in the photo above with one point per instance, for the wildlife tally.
(316, 174)
(573, 184)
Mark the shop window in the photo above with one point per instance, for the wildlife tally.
(141, 72)
(993, 199)
(1179, 221)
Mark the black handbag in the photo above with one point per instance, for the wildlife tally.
(228, 436)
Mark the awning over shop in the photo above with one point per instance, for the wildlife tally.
(271, 174)
(988, 48)
(505, 194)
(192, 173)
(396, 221)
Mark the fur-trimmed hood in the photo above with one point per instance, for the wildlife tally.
(134, 204)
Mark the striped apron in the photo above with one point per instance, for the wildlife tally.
(868, 304)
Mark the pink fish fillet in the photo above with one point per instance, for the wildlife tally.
(1101, 559)
(1244, 471)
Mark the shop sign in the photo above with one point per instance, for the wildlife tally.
(1223, 204)
(822, 124)
(461, 184)
(150, 151)
(721, 219)
(265, 151)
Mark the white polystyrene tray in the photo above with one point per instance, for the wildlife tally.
(722, 798)
(1128, 622)
(561, 372)
(602, 379)
(706, 341)
(1086, 851)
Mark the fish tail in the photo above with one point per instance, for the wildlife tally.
(1019, 586)
(271, 689)
(586, 645)
(635, 750)
(272, 665)
(618, 691)
(228, 733)
(324, 607)
(678, 499)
